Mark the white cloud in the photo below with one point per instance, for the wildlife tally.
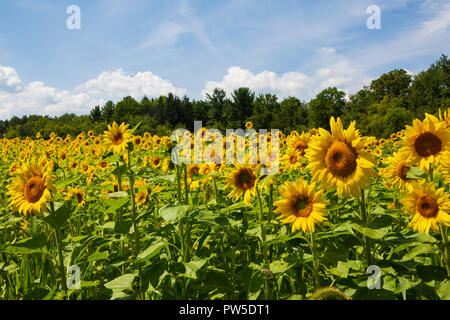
(333, 70)
(19, 99)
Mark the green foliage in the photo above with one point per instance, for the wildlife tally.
(383, 107)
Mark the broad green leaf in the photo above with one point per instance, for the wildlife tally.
(99, 255)
(118, 194)
(420, 249)
(416, 173)
(443, 290)
(173, 213)
(123, 282)
(370, 231)
(151, 251)
(59, 218)
(189, 269)
(30, 245)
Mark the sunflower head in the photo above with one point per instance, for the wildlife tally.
(242, 180)
(428, 206)
(30, 189)
(301, 205)
(339, 159)
(116, 137)
(426, 141)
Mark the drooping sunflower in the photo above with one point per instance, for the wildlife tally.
(242, 180)
(301, 205)
(30, 189)
(396, 171)
(338, 159)
(428, 207)
(117, 137)
(426, 141)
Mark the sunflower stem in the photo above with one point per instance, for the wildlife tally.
(446, 257)
(178, 183)
(134, 215)
(364, 218)
(61, 260)
(315, 261)
(186, 187)
(262, 242)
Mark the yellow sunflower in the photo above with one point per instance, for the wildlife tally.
(141, 198)
(428, 207)
(426, 141)
(30, 189)
(395, 173)
(116, 138)
(339, 159)
(291, 160)
(248, 125)
(301, 205)
(444, 167)
(446, 117)
(79, 195)
(298, 142)
(243, 182)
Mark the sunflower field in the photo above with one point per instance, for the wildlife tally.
(344, 217)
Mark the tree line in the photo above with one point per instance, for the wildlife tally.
(385, 106)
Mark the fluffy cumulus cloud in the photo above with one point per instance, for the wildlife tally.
(17, 98)
(331, 70)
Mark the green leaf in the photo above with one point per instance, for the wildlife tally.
(443, 290)
(151, 251)
(135, 127)
(173, 213)
(119, 194)
(120, 171)
(99, 255)
(59, 218)
(123, 282)
(430, 273)
(170, 178)
(420, 249)
(370, 231)
(30, 245)
(189, 269)
(416, 173)
(115, 204)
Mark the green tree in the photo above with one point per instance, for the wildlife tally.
(328, 103)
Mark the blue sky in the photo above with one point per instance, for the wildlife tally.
(136, 47)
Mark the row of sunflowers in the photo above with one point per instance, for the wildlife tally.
(137, 226)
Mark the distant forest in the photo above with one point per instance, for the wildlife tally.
(383, 107)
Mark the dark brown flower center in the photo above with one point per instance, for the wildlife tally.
(34, 189)
(427, 144)
(245, 179)
(427, 206)
(300, 146)
(118, 138)
(341, 159)
(303, 206)
(402, 170)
